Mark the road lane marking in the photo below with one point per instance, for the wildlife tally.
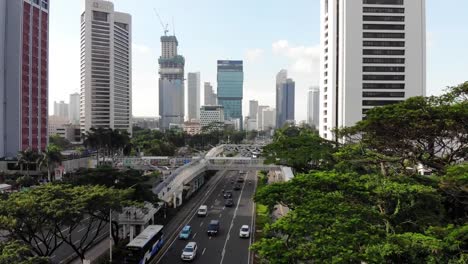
(194, 235)
(232, 223)
(201, 223)
(203, 253)
(210, 237)
(220, 215)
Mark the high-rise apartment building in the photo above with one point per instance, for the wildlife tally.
(253, 108)
(285, 96)
(260, 116)
(106, 68)
(61, 109)
(74, 109)
(313, 107)
(268, 119)
(230, 88)
(24, 75)
(193, 87)
(210, 95)
(171, 83)
(373, 54)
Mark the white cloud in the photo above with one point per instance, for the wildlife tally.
(253, 54)
(303, 59)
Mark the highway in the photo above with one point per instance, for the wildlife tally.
(226, 247)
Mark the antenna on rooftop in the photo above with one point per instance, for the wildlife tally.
(164, 26)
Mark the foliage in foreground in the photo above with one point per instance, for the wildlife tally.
(368, 204)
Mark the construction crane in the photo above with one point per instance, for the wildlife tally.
(165, 27)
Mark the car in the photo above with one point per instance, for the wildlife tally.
(229, 202)
(203, 210)
(213, 228)
(185, 233)
(227, 194)
(189, 252)
(237, 187)
(244, 231)
(240, 180)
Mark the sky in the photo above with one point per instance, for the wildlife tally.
(269, 35)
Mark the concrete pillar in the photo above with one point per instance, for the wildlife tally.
(132, 232)
(124, 231)
(180, 198)
(174, 197)
(152, 219)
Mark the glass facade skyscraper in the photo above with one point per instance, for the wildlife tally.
(230, 88)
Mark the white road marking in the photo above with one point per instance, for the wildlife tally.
(194, 235)
(201, 223)
(210, 237)
(82, 229)
(220, 215)
(203, 251)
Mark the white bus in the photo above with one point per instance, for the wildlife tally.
(145, 246)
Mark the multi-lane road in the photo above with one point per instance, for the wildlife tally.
(226, 247)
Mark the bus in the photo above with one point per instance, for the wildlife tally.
(145, 246)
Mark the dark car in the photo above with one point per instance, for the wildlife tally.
(227, 194)
(240, 180)
(237, 187)
(229, 202)
(213, 228)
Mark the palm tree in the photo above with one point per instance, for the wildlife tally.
(27, 157)
(50, 158)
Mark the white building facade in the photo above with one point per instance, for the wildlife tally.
(193, 91)
(313, 107)
(373, 54)
(106, 70)
(74, 109)
(211, 114)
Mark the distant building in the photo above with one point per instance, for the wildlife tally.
(146, 122)
(268, 119)
(61, 109)
(210, 95)
(285, 99)
(171, 83)
(253, 108)
(230, 88)
(193, 90)
(192, 128)
(260, 117)
(106, 67)
(373, 53)
(24, 75)
(62, 127)
(211, 114)
(251, 124)
(313, 107)
(74, 109)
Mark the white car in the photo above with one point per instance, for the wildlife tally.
(244, 231)
(189, 252)
(203, 210)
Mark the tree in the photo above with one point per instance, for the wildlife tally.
(106, 141)
(19, 253)
(49, 214)
(50, 158)
(27, 157)
(432, 131)
(60, 142)
(299, 148)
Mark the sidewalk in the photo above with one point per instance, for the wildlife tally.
(95, 253)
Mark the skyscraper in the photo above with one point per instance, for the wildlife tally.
(210, 95)
(285, 99)
(373, 54)
(171, 83)
(313, 107)
(268, 119)
(193, 88)
(260, 117)
(61, 109)
(74, 109)
(24, 75)
(106, 68)
(253, 108)
(230, 88)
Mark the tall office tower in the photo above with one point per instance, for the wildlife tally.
(61, 109)
(193, 85)
(171, 83)
(373, 54)
(74, 109)
(24, 71)
(285, 96)
(230, 88)
(268, 118)
(313, 107)
(253, 108)
(260, 116)
(210, 95)
(106, 68)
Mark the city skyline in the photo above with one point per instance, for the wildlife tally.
(264, 52)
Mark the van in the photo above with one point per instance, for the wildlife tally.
(213, 228)
(203, 210)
